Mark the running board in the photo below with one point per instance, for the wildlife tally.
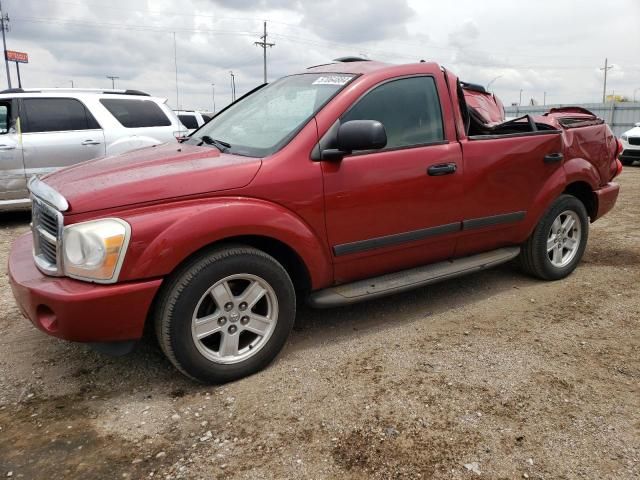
(408, 279)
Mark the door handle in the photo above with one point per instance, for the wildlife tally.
(90, 142)
(442, 169)
(553, 158)
(7, 147)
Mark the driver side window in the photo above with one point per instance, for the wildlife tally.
(409, 109)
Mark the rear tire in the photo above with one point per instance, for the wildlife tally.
(556, 246)
(225, 314)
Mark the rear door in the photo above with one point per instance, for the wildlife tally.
(58, 132)
(503, 176)
(391, 209)
(13, 183)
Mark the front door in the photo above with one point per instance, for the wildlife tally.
(58, 132)
(13, 185)
(398, 207)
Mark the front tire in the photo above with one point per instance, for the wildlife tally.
(556, 246)
(225, 314)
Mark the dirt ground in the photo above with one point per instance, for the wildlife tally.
(495, 375)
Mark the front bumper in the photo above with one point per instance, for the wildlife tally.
(630, 154)
(607, 197)
(75, 310)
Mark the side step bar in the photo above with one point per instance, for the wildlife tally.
(408, 279)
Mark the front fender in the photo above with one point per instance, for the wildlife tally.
(573, 170)
(165, 235)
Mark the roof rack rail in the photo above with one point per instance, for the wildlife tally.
(64, 89)
(128, 92)
(351, 59)
(12, 90)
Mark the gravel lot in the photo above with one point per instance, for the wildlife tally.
(495, 375)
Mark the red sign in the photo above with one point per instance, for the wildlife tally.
(20, 57)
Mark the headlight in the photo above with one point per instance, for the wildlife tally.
(95, 250)
(624, 138)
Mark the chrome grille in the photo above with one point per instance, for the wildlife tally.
(46, 226)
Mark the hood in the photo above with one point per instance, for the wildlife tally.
(151, 174)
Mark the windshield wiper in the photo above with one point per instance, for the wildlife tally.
(219, 144)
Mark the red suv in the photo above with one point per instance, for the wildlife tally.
(345, 182)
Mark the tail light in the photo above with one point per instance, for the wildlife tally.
(620, 147)
(616, 164)
(619, 169)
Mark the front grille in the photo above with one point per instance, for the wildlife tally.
(634, 140)
(630, 153)
(46, 226)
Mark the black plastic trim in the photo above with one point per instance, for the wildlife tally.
(513, 135)
(493, 220)
(395, 239)
(415, 235)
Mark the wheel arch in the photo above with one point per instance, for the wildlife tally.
(583, 192)
(164, 238)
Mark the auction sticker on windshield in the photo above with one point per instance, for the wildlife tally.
(332, 80)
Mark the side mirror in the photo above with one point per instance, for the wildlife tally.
(357, 135)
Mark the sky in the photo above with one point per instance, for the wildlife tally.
(552, 46)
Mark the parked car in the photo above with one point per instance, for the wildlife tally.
(343, 183)
(192, 120)
(630, 145)
(42, 130)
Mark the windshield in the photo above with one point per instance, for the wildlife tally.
(268, 119)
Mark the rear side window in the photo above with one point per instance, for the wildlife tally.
(56, 115)
(189, 121)
(408, 108)
(136, 113)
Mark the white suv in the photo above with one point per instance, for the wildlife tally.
(630, 145)
(192, 120)
(42, 130)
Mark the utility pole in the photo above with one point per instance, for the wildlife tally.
(71, 83)
(233, 86)
(175, 64)
(4, 19)
(606, 69)
(544, 101)
(520, 101)
(213, 96)
(113, 80)
(264, 44)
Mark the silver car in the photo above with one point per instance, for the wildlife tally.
(42, 130)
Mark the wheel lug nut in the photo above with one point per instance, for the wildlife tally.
(233, 329)
(222, 321)
(244, 320)
(228, 306)
(243, 306)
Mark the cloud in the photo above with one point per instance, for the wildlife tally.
(357, 22)
(529, 46)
